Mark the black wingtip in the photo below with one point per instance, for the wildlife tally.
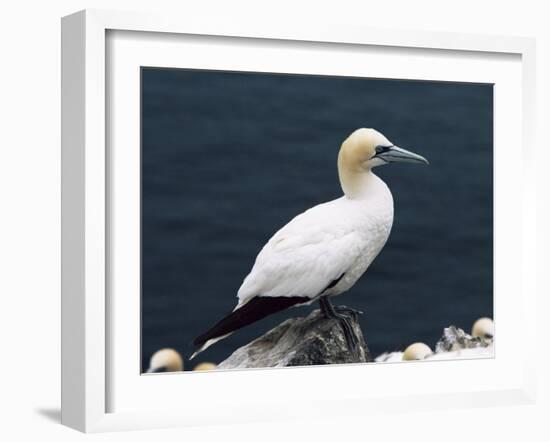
(257, 308)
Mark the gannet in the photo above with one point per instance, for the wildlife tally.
(165, 360)
(417, 352)
(205, 366)
(323, 251)
(483, 328)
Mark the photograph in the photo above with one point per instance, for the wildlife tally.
(292, 220)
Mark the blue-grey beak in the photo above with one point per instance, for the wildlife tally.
(391, 154)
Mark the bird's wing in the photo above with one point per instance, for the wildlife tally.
(303, 258)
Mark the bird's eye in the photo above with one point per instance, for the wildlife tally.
(380, 149)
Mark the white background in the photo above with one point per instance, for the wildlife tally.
(30, 219)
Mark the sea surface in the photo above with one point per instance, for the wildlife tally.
(228, 158)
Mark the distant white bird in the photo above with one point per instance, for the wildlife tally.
(205, 366)
(323, 251)
(165, 360)
(417, 352)
(483, 328)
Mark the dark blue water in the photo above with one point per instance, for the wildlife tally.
(229, 158)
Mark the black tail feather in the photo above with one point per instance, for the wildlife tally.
(257, 308)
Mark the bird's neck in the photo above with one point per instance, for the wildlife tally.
(359, 184)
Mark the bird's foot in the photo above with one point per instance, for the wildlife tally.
(344, 315)
(351, 338)
(348, 311)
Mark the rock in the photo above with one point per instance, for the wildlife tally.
(394, 356)
(455, 339)
(465, 353)
(313, 340)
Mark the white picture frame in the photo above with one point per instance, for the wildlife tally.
(86, 202)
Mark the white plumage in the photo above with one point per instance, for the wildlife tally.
(315, 248)
(323, 251)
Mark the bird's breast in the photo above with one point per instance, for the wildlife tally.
(373, 225)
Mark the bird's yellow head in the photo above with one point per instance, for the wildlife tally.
(417, 352)
(165, 360)
(365, 149)
(483, 328)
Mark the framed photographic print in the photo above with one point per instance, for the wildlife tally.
(257, 214)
